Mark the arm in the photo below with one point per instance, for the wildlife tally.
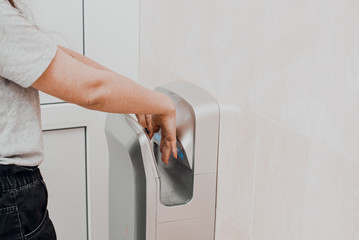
(81, 58)
(73, 81)
(146, 120)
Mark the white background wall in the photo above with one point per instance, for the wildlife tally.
(286, 73)
(112, 34)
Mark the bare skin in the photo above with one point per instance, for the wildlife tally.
(77, 79)
(146, 120)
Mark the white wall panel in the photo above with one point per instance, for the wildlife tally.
(61, 19)
(64, 172)
(112, 34)
(70, 116)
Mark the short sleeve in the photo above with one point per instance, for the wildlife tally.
(25, 52)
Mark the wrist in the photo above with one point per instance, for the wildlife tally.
(169, 108)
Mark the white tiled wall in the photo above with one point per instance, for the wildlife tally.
(287, 76)
(237, 161)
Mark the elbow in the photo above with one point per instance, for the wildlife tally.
(95, 97)
(93, 103)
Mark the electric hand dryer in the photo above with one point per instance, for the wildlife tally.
(153, 201)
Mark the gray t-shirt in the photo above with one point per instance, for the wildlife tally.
(25, 53)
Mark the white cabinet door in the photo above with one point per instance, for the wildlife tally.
(64, 172)
(63, 20)
(76, 171)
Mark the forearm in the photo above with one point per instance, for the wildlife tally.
(118, 94)
(134, 98)
(76, 82)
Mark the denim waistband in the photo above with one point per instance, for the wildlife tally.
(13, 177)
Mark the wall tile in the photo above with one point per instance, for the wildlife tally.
(307, 69)
(299, 71)
(331, 196)
(336, 123)
(337, 104)
(154, 27)
(174, 37)
(153, 76)
(281, 162)
(192, 43)
(236, 164)
(226, 230)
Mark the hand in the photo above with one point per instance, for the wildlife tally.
(167, 123)
(145, 120)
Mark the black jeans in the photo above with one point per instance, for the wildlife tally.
(23, 205)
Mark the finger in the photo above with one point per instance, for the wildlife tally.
(161, 146)
(155, 125)
(141, 120)
(174, 149)
(166, 153)
(149, 124)
(156, 128)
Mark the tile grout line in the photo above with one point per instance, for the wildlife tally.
(232, 222)
(254, 176)
(292, 129)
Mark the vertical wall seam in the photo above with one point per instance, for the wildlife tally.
(87, 184)
(139, 41)
(254, 174)
(83, 28)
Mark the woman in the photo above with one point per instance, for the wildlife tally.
(30, 61)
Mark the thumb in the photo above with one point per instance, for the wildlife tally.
(174, 149)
